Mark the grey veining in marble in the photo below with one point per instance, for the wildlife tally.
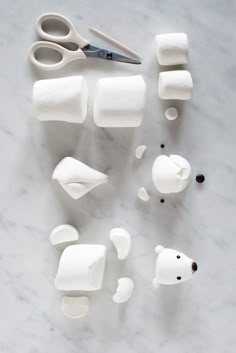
(196, 316)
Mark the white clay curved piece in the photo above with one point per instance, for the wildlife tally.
(172, 48)
(175, 85)
(139, 152)
(171, 174)
(120, 101)
(75, 307)
(76, 178)
(81, 267)
(124, 290)
(171, 113)
(64, 233)
(61, 99)
(122, 241)
(143, 194)
(172, 267)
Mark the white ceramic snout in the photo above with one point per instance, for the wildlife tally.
(171, 174)
(172, 267)
(175, 85)
(81, 267)
(76, 178)
(172, 48)
(119, 101)
(61, 99)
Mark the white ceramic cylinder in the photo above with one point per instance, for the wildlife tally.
(119, 101)
(61, 99)
(172, 48)
(175, 85)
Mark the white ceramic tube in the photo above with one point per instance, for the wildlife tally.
(61, 99)
(175, 85)
(119, 101)
(172, 48)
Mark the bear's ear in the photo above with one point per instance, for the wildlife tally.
(159, 249)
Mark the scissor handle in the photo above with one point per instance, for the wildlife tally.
(72, 35)
(66, 55)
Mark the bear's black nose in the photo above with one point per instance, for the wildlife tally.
(194, 266)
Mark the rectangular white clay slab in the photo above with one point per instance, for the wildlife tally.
(176, 84)
(172, 48)
(81, 267)
(119, 101)
(61, 99)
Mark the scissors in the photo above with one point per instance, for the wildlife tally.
(72, 36)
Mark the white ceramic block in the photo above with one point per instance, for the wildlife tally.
(64, 233)
(75, 307)
(172, 48)
(143, 194)
(124, 290)
(171, 174)
(119, 101)
(175, 85)
(172, 267)
(122, 241)
(140, 150)
(81, 267)
(61, 99)
(76, 178)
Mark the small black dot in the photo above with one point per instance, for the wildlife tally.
(178, 278)
(162, 145)
(162, 200)
(200, 178)
(178, 256)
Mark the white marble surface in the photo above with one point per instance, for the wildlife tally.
(196, 316)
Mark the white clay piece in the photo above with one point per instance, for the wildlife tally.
(61, 99)
(172, 48)
(172, 267)
(140, 150)
(81, 267)
(143, 194)
(175, 85)
(119, 101)
(124, 290)
(75, 307)
(171, 113)
(171, 174)
(76, 178)
(64, 233)
(122, 241)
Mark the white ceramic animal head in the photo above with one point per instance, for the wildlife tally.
(172, 267)
(171, 174)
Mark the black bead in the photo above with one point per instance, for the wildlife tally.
(200, 178)
(162, 200)
(162, 145)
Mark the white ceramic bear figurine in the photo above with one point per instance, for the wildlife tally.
(172, 267)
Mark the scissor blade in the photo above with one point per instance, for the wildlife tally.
(94, 52)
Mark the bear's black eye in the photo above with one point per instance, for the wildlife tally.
(178, 278)
(178, 256)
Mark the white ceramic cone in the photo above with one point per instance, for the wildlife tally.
(76, 178)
